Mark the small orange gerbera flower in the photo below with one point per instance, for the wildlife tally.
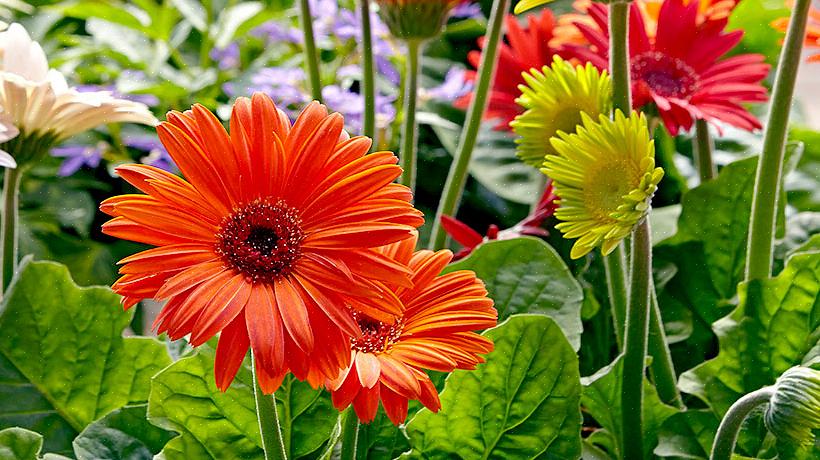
(812, 29)
(435, 332)
(270, 239)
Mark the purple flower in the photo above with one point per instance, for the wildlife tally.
(454, 86)
(157, 156)
(282, 84)
(351, 106)
(228, 57)
(77, 156)
(467, 10)
(274, 31)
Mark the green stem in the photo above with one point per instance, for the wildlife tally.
(662, 367)
(635, 340)
(368, 76)
(616, 285)
(206, 44)
(269, 426)
(729, 428)
(457, 177)
(11, 192)
(409, 130)
(703, 151)
(311, 55)
(350, 434)
(770, 167)
(619, 56)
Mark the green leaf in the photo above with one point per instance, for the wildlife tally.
(754, 18)
(120, 435)
(773, 329)
(802, 235)
(688, 434)
(522, 403)
(525, 275)
(104, 10)
(63, 360)
(20, 444)
(602, 400)
(217, 425)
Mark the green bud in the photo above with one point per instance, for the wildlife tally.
(794, 409)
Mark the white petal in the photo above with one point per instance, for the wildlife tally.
(22, 55)
(7, 161)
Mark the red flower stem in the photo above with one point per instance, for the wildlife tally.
(350, 434)
(457, 177)
(368, 74)
(703, 151)
(311, 55)
(409, 130)
(268, 416)
(11, 192)
(770, 167)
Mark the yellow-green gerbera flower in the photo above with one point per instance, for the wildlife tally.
(554, 99)
(605, 176)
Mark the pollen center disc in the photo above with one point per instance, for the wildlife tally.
(261, 239)
(376, 336)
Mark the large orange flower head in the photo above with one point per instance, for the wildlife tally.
(269, 239)
(435, 332)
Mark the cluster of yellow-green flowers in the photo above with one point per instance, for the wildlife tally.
(602, 168)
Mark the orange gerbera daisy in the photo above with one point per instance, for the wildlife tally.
(812, 29)
(435, 332)
(271, 237)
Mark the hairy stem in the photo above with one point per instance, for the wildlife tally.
(409, 130)
(269, 426)
(770, 166)
(457, 176)
(703, 151)
(11, 192)
(729, 428)
(311, 55)
(350, 434)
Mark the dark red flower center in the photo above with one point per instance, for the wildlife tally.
(261, 240)
(667, 76)
(376, 336)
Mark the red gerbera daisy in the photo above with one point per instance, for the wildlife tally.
(435, 332)
(526, 48)
(270, 238)
(680, 70)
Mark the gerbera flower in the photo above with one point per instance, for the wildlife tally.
(526, 48)
(470, 239)
(812, 29)
(434, 332)
(42, 107)
(681, 70)
(605, 177)
(270, 239)
(415, 19)
(554, 99)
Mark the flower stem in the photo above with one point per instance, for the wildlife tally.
(457, 177)
(11, 192)
(729, 428)
(268, 422)
(635, 341)
(662, 367)
(206, 44)
(703, 151)
(616, 286)
(409, 130)
(350, 434)
(619, 55)
(770, 166)
(311, 56)
(368, 74)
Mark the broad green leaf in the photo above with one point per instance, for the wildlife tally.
(525, 275)
(20, 444)
(754, 18)
(773, 328)
(63, 360)
(110, 12)
(522, 403)
(802, 233)
(688, 434)
(664, 222)
(602, 400)
(218, 425)
(120, 435)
